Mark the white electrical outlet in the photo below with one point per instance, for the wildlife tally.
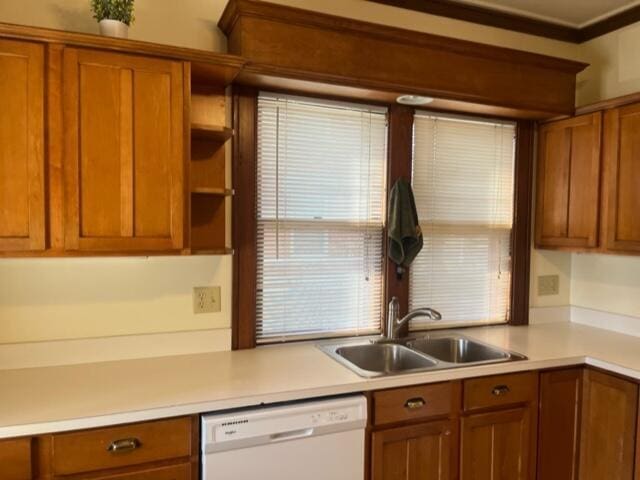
(206, 299)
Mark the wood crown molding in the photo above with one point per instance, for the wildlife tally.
(346, 53)
(517, 23)
(215, 66)
(236, 9)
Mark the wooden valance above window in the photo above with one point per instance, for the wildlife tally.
(311, 52)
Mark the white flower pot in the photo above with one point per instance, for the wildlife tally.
(114, 28)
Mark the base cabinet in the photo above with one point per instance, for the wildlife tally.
(608, 433)
(165, 449)
(176, 472)
(497, 445)
(559, 424)
(415, 452)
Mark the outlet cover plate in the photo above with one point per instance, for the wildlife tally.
(206, 299)
(548, 285)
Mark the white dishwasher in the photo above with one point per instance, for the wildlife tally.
(312, 440)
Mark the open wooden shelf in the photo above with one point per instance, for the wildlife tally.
(212, 251)
(222, 192)
(215, 133)
(210, 192)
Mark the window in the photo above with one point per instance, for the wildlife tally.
(321, 205)
(463, 180)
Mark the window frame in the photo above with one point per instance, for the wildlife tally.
(399, 165)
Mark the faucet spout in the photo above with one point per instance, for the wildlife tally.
(394, 323)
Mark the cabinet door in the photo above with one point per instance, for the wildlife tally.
(559, 424)
(416, 452)
(22, 211)
(15, 459)
(497, 445)
(568, 183)
(608, 427)
(622, 178)
(177, 472)
(124, 159)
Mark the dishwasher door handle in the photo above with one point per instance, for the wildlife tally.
(293, 434)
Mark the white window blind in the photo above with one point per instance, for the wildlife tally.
(321, 203)
(463, 174)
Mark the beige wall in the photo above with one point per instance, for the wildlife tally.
(186, 23)
(74, 298)
(49, 299)
(610, 283)
(615, 69)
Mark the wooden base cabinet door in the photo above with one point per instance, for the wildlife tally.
(22, 197)
(124, 156)
(608, 431)
(416, 452)
(622, 179)
(568, 183)
(559, 424)
(497, 446)
(177, 472)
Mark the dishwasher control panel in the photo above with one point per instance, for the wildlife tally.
(282, 423)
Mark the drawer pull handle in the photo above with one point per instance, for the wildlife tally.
(124, 445)
(415, 403)
(500, 390)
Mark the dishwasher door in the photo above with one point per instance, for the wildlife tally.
(311, 440)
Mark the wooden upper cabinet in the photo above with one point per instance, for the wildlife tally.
(622, 179)
(22, 210)
(608, 429)
(124, 158)
(568, 183)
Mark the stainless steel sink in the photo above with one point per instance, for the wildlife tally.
(458, 350)
(439, 351)
(384, 358)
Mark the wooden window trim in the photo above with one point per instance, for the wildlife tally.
(400, 149)
(244, 217)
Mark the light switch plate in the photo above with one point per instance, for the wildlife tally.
(206, 299)
(548, 285)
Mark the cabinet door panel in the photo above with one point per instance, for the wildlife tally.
(177, 472)
(567, 205)
(622, 177)
(497, 445)
(124, 158)
(416, 452)
(22, 211)
(559, 424)
(15, 459)
(607, 441)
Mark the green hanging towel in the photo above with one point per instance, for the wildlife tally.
(405, 236)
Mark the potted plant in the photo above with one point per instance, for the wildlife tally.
(114, 16)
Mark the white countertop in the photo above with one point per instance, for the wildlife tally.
(52, 399)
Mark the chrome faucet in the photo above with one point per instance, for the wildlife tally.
(394, 324)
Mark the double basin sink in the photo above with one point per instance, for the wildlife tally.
(374, 358)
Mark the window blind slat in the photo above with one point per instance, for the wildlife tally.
(463, 173)
(321, 203)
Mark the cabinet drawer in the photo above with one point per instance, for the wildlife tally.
(112, 447)
(15, 459)
(176, 472)
(412, 403)
(500, 390)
